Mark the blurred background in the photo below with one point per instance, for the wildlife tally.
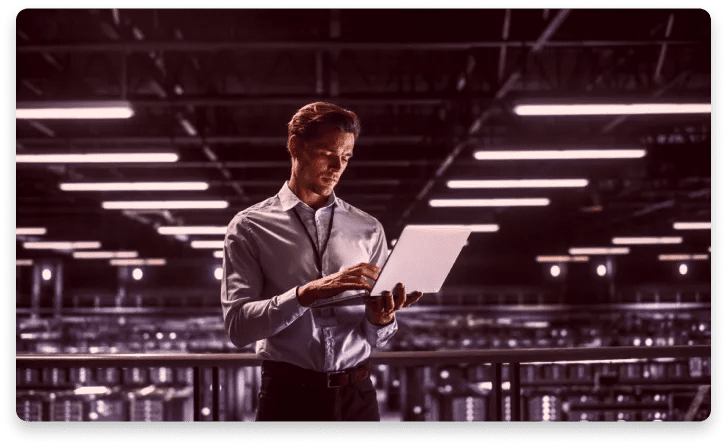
(577, 142)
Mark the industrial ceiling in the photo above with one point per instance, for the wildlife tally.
(431, 87)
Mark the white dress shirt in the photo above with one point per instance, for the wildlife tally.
(267, 255)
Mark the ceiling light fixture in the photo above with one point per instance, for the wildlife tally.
(646, 240)
(686, 225)
(610, 109)
(67, 246)
(598, 251)
(75, 110)
(488, 202)
(200, 204)
(472, 227)
(30, 231)
(218, 254)
(104, 254)
(136, 186)
(575, 154)
(192, 230)
(78, 158)
(501, 184)
(546, 259)
(207, 244)
(677, 257)
(137, 262)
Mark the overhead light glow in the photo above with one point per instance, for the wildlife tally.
(218, 273)
(61, 245)
(207, 244)
(677, 257)
(683, 269)
(141, 186)
(137, 274)
(502, 184)
(218, 254)
(77, 110)
(97, 158)
(46, 274)
(555, 270)
(192, 230)
(487, 202)
(104, 254)
(30, 231)
(646, 240)
(693, 225)
(200, 204)
(137, 262)
(493, 155)
(546, 259)
(473, 227)
(23, 262)
(598, 251)
(610, 109)
(601, 270)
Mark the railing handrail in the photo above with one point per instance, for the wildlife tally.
(408, 358)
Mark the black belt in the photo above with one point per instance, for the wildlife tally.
(293, 373)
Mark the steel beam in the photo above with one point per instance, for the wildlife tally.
(186, 46)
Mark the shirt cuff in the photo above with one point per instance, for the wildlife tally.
(289, 305)
(379, 335)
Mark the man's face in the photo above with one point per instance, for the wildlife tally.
(320, 162)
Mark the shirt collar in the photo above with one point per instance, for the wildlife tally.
(289, 200)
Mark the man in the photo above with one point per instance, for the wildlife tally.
(301, 247)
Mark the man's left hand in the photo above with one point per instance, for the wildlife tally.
(380, 310)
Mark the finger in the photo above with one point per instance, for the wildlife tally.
(399, 300)
(389, 302)
(413, 297)
(400, 291)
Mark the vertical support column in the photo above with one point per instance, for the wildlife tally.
(198, 393)
(122, 282)
(35, 293)
(496, 399)
(58, 290)
(414, 405)
(515, 391)
(216, 393)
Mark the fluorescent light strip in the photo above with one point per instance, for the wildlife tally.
(201, 204)
(23, 262)
(544, 259)
(30, 231)
(115, 112)
(61, 245)
(141, 186)
(693, 225)
(137, 262)
(192, 230)
(104, 254)
(610, 109)
(208, 244)
(161, 157)
(646, 240)
(677, 257)
(493, 155)
(598, 251)
(473, 228)
(488, 202)
(501, 184)
(218, 254)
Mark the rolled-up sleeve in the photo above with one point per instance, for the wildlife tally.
(379, 335)
(248, 316)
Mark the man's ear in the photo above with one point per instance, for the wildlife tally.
(295, 146)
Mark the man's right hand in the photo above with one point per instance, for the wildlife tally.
(353, 278)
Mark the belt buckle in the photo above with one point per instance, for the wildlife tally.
(332, 385)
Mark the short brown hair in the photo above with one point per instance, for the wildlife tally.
(310, 119)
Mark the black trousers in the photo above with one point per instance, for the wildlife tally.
(287, 398)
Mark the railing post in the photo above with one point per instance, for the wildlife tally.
(197, 393)
(215, 394)
(516, 414)
(496, 401)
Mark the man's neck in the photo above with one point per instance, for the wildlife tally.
(307, 196)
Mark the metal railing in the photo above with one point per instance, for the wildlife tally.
(513, 357)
